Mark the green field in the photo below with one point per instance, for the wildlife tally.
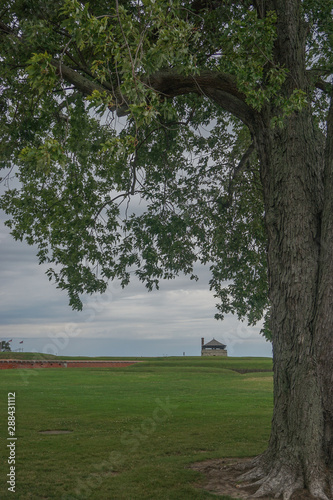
(135, 430)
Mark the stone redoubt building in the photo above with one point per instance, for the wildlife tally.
(213, 348)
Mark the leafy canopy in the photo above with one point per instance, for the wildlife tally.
(175, 181)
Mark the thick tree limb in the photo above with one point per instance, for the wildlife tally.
(232, 104)
(219, 87)
(170, 83)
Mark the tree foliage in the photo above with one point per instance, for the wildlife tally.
(66, 66)
(5, 346)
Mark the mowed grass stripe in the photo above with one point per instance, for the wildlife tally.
(135, 429)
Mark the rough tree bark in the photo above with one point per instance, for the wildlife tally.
(324, 319)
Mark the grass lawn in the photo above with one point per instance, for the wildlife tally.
(135, 430)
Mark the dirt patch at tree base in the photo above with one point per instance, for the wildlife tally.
(222, 478)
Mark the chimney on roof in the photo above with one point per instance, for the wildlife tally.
(202, 341)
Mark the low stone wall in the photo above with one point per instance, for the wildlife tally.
(214, 352)
(6, 364)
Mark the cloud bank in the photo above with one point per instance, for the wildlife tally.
(130, 322)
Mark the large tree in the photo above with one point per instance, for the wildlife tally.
(227, 140)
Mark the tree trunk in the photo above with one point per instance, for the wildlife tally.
(299, 221)
(292, 176)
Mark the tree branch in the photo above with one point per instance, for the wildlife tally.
(316, 75)
(242, 164)
(324, 86)
(170, 83)
(219, 87)
(5, 29)
(81, 83)
(238, 170)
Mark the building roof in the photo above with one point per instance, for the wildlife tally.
(214, 343)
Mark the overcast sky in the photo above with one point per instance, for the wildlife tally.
(130, 322)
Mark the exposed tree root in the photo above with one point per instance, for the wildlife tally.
(252, 474)
(283, 480)
(264, 481)
(317, 489)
